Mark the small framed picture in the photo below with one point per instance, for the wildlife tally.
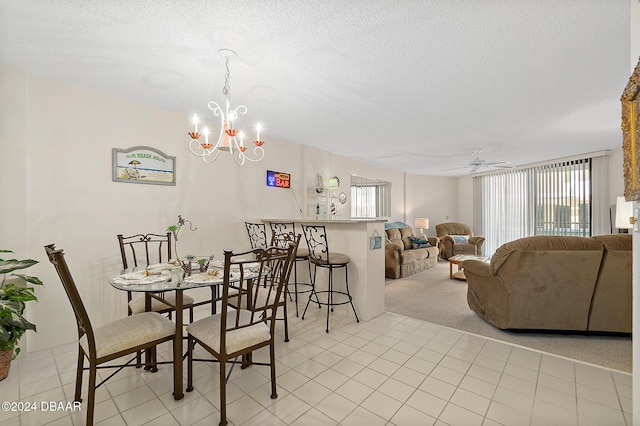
(143, 164)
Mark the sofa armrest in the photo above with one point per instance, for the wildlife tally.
(434, 241)
(478, 241)
(477, 267)
(446, 243)
(394, 245)
(487, 294)
(392, 252)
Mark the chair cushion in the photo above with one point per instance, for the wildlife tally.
(129, 332)
(302, 252)
(207, 330)
(137, 303)
(334, 259)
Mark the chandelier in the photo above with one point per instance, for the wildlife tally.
(230, 138)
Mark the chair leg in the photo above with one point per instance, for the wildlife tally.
(91, 398)
(223, 393)
(346, 280)
(313, 289)
(153, 355)
(78, 394)
(286, 321)
(329, 296)
(190, 345)
(295, 284)
(272, 355)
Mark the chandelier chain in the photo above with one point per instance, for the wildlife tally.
(226, 90)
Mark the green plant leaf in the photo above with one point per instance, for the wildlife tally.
(19, 294)
(11, 265)
(10, 307)
(29, 279)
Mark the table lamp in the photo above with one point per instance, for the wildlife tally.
(624, 214)
(422, 223)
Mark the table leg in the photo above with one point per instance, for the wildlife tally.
(147, 353)
(450, 270)
(177, 350)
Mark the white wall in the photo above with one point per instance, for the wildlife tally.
(433, 197)
(55, 167)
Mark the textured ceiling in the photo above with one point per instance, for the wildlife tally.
(414, 85)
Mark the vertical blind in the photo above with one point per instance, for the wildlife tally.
(370, 198)
(552, 199)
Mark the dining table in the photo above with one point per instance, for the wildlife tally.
(153, 280)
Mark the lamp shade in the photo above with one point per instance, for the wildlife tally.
(624, 212)
(422, 223)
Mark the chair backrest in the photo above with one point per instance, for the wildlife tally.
(283, 240)
(453, 228)
(56, 257)
(257, 235)
(144, 249)
(316, 236)
(273, 266)
(283, 228)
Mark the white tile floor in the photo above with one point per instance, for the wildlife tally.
(392, 370)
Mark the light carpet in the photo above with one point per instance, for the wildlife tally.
(431, 296)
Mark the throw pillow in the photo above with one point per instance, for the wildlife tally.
(460, 238)
(419, 243)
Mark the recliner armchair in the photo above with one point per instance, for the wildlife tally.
(449, 232)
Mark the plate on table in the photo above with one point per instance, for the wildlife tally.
(163, 267)
(141, 277)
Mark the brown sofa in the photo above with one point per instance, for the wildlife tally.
(555, 283)
(401, 259)
(448, 247)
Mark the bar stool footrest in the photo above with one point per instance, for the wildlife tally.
(332, 303)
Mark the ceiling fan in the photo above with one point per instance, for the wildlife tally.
(479, 163)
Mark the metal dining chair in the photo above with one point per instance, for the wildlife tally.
(321, 257)
(236, 333)
(302, 255)
(126, 336)
(143, 250)
(257, 234)
(283, 241)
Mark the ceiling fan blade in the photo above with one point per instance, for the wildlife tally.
(454, 168)
(495, 163)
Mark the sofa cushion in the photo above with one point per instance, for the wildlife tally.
(463, 239)
(406, 234)
(417, 242)
(407, 256)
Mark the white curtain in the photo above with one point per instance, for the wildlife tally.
(563, 197)
(370, 198)
(506, 212)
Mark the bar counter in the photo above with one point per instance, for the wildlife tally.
(366, 269)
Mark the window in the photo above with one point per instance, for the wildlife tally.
(550, 199)
(370, 198)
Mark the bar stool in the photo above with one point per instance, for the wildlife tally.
(257, 235)
(302, 255)
(320, 257)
